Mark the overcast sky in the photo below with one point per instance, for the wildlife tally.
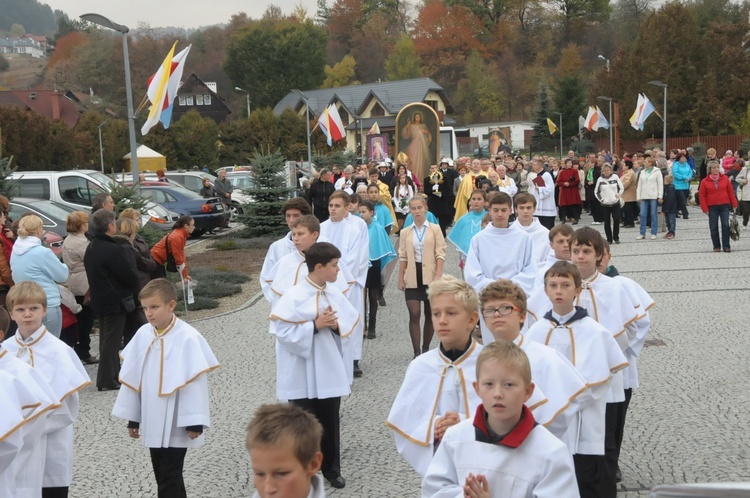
(180, 13)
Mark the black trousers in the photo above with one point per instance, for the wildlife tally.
(570, 212)
(618, 413)
(85, 324)
(55, 492)
(168, 464)
(133, 321)
(445, 220)
(630, 213)
(612, 221)
(593, 476)
(547, 222)
(327, 413)
(596, 209)
(111, 328)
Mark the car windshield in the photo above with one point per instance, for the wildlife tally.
(243, 182)
(51, 209)
(101, 178)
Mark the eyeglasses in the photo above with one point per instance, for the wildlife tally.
(500, 310)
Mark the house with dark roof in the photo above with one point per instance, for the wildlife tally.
(50, 104)
(360, 106)
(196, 94)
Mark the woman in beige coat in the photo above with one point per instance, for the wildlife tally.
(74, 248)
(422, 255)
(630, 184)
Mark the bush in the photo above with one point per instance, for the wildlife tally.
(201, 303)
(263, 217)
(204, 275)
(151, 235)
(745, 145)
(247, 241)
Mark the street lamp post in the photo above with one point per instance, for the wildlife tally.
(104, 22)
(101, 148)
(664, 118)
(247, 95)
(606, 61)
(561, 134)
(611, 125)
(307, 121)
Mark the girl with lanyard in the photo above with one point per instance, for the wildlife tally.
(401, 195)
(421, 255)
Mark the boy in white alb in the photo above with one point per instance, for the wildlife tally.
(503, 305)
(525, 206)
(559, 243)
(435, 394)
(309, 321)
(501, 250)
(502, 451)
(349, 234)
(597, 356)
(60, 368)
(630, 374)
(36, 402)
(292, 209)
(164, 393)
(291, 269)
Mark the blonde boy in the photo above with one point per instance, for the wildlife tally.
(502, 451)
(60, 368)
(164, 393)
(503, 306)
(434, 394)
(284, 445)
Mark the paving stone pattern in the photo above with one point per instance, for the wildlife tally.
(687, 423)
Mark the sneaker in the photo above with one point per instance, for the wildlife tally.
(653, 237)
(716, 249)
(640, 237)
(727, 250)
(596, 222)
(669, 236)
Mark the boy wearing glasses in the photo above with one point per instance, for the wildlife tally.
(503, 305)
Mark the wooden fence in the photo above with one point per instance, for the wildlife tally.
(720, 143)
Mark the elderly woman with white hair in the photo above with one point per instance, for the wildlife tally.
(31, 261)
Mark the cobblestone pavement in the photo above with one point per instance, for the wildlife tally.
(687, 423)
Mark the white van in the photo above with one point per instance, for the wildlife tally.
(77, 189)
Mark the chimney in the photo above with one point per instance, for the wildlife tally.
(55, 97)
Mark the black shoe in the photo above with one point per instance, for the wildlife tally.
(337, 482)
(381, 301)
(117, 387)
(575, 222)
(618, 475)
(371, 332)
(91, 360)
(357, 373)
(617, 242)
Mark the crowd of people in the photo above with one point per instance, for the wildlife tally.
(49, 307)
(538, 343)
(541, 325)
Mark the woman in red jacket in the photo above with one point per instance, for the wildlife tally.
(717, 198)
(182, 229)
(570, 199)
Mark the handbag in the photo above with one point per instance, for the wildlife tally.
(127, 302)
(734, 228)
(171, 263)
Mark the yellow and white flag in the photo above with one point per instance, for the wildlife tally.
(551, 126)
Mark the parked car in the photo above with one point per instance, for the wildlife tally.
(76, 189)
(208, 214)
(53, 214)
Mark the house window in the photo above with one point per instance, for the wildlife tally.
(207, 99)
(432, 103)
(188, 100)
(199, 100)
(377, 110)
(181, 99)
(344, 117)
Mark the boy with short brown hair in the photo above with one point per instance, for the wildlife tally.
(559, 243)
(593, 351)
(311, 322)
(525, 208)
(285, 439)
(164, 393)
(502, 451)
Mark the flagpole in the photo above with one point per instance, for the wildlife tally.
(664, 86)
(611, 144)
(307, 111)
(561, 136)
